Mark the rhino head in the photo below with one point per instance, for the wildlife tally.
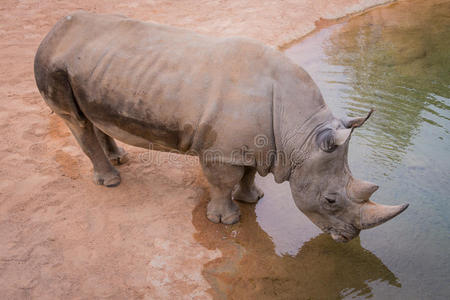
(324, 189)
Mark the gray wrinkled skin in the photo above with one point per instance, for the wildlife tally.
(240, 106)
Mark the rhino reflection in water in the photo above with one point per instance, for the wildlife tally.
(250, 268)
(247, 104)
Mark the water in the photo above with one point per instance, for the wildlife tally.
(396, 59)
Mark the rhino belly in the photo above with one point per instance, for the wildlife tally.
(138, 135)
(122, 135)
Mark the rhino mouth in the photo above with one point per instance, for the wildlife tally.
(343, 236)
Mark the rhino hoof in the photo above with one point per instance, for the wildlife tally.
(251, 195)
(228, 220)
(228, 214)
(118, 158)
(111, 179)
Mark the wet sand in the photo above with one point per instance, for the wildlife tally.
(64, 237)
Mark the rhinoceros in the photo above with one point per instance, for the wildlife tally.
(240, 106)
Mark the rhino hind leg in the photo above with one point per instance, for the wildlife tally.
(104, 172)
(57, 93)
(116, 155)
(222, 178)
(246, 190)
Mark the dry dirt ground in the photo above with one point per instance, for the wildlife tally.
(63, 237)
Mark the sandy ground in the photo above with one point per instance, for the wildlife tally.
(63, 237)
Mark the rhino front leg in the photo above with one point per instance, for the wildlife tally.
(246, 190)
(116, 155)
(222, 178)
(104, 172)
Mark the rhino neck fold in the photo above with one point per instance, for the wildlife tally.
(294, 122)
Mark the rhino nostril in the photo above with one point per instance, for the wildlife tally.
(330, 200)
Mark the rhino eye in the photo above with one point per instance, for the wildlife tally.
(325, 140)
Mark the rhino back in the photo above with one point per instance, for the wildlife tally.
(165, 85)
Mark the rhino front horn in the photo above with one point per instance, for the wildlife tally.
(373, 214)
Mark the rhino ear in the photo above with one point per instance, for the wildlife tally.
(356, 122)
(325, 140)
(329, 139)
(342, 135)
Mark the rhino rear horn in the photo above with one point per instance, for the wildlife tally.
(373, 214)
(357, 122)
(361, 190)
